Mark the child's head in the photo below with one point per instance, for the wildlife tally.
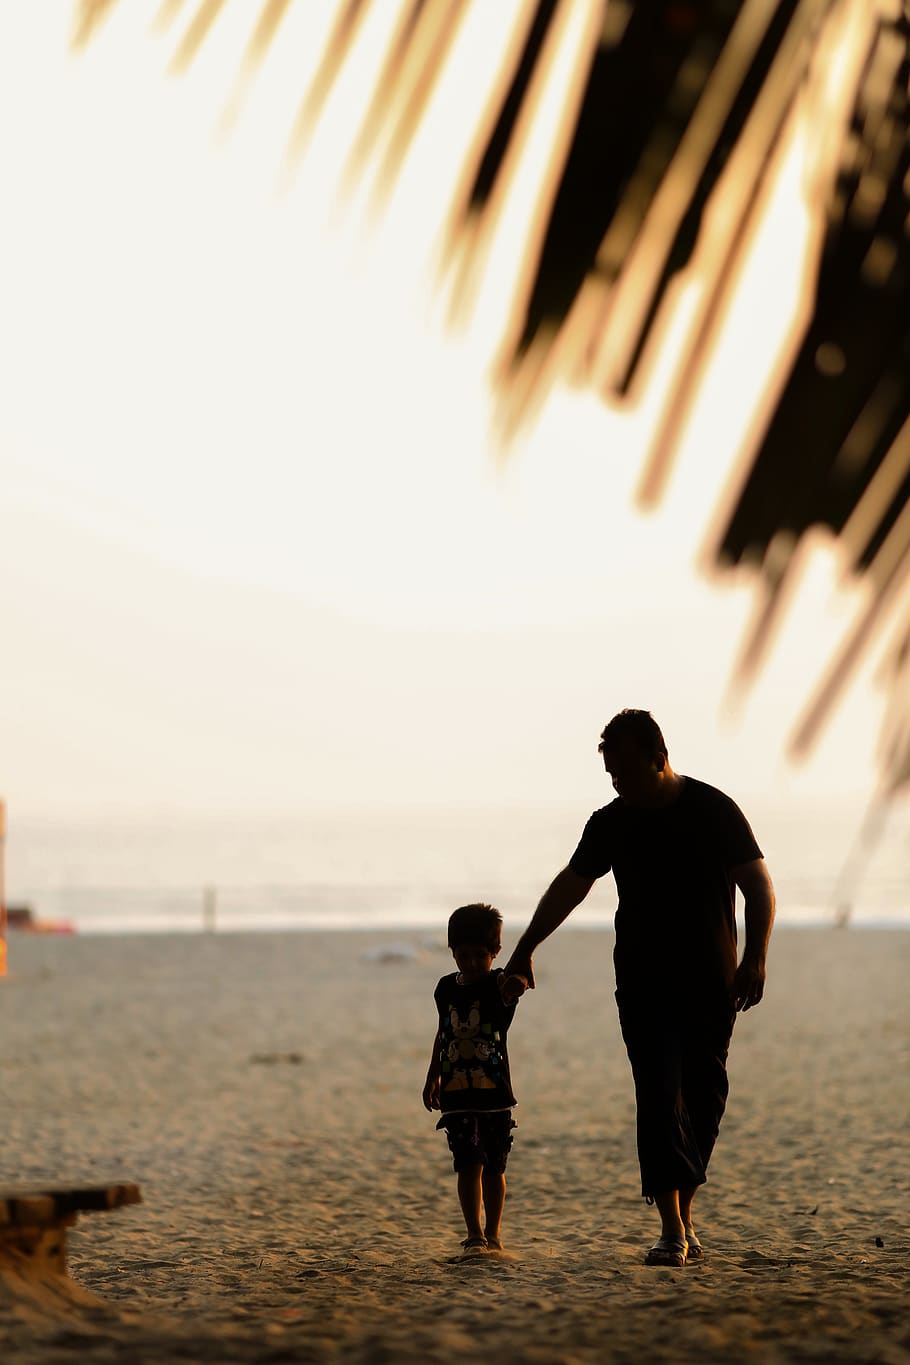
(476, 924)
(475, 938)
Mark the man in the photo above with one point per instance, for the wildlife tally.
(678, 849)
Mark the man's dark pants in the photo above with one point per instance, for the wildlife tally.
(677, 1048)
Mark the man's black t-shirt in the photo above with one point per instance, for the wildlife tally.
(675, 923)
(474, 1058)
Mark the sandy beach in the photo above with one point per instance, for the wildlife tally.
(263, 1090)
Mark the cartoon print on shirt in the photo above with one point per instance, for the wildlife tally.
(467, 1044)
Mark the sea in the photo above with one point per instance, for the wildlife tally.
(402, 868)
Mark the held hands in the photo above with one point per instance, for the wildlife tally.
(748, 984)
(512, 987)
(518, 966)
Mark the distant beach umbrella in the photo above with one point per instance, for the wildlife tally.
(672, 122)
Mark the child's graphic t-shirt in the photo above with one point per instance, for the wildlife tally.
(474, 1061)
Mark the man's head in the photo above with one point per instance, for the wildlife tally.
(475, 938)
(635, 755)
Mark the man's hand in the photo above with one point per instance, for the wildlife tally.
(430, 1095)
(520, 965)
(748, 983)
(566, 890)
(512, 987)
(758, 894)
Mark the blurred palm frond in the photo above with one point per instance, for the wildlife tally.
(670, 134)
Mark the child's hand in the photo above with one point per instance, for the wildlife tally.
(431, 1093)
(511, 988)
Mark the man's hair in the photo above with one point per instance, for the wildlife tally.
(478, 923)
(638, 726)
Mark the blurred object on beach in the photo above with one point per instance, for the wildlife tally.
(22, 919)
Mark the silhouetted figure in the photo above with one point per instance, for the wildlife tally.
(678, 849)
(468, 1077)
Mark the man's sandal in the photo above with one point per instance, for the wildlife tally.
(471, 1246)
(696, 1250)
(670, 1251)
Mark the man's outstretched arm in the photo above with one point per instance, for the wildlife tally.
(566, 890)
(758, 894)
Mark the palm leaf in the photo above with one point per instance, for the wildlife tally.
(670, 134)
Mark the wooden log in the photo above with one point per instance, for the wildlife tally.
(45, 1247)
(33, 1223)
(32, 1210)
(38, 1208)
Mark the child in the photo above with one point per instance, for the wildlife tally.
(468, 1076)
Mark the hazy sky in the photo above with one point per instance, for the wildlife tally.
(257, 549)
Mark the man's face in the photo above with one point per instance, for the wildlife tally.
(635, 775)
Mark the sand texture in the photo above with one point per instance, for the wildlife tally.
(299, 1206)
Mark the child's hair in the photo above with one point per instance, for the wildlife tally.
(479, 923)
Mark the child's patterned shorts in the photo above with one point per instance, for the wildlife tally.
(479, 1139)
